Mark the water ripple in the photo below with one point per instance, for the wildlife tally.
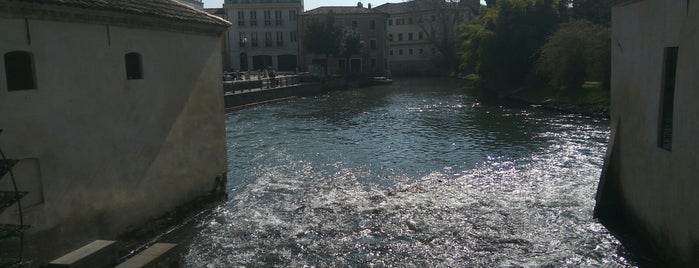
(413, 175)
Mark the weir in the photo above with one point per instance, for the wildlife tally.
(417, 173)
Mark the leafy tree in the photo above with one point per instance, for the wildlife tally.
(323, 35)
(351, 45)
(600, 56)
(502, 44)
(439, 21)
(577, 51)
(596, 11)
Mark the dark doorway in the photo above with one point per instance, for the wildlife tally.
(355, 65)
(287, 62)
(243, 61)
(260, 62)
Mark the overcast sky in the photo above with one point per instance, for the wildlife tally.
(311, 4)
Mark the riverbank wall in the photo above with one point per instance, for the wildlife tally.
(242, 99)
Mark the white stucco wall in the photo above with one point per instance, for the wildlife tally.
(112, 152)
(659, 186)
(289, 25)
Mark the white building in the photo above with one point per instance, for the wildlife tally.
(417, 28)
(650, 182)
(115, 111)
(368, 24)
(264, 33)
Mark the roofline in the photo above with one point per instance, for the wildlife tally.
(623, 2)
(23, 10)
(377, 12)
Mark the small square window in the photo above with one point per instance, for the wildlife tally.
(19, 70)
(134, 66)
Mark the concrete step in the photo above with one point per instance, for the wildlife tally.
(98, 254)
(157, 255)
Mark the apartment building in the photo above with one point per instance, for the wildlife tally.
(416, 30)
(369, 24)
(264, 33)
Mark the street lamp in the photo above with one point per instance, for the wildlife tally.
(244, 55)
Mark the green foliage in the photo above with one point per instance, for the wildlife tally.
(502, 44)
(595, 11)
(577, 51)
(441, 26)
(351, 44)
(323, 35)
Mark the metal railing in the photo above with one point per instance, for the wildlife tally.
(237, 82)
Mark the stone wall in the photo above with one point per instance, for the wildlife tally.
(658, 187)
(108, 153)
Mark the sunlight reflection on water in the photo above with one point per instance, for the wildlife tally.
(414, 174)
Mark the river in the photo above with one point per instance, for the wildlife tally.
(419, 173)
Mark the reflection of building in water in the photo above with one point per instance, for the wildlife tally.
(650, 179)
(264, 33)
(114, 109)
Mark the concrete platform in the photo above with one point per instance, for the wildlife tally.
(157, 255)
(100, 253)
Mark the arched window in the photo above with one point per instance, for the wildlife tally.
(134, 66)
(19, 70)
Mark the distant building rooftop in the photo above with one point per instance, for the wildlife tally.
(418, 5)
(219, 12)
(343, 10)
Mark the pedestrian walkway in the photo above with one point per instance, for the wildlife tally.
(258, 83)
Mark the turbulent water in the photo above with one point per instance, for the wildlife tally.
(415, 174)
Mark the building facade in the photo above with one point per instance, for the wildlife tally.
(416, 30)
(263, 33)
(649, 183)
(369, 24)
(115, 112)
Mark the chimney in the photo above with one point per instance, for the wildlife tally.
(359, 4)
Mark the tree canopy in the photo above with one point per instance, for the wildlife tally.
(502, 44)
(324, 35)
(573, 53)
(519, 43)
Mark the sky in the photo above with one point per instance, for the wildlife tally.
(311, 4)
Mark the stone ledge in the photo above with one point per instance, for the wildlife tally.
(153, 256)
(100, 253)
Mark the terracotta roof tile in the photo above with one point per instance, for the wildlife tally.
(165, 9)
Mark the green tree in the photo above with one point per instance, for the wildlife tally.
(351, 45)
(323, 35)
(577, 51)
(595, 11)
(502, 44)
(439, 21)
